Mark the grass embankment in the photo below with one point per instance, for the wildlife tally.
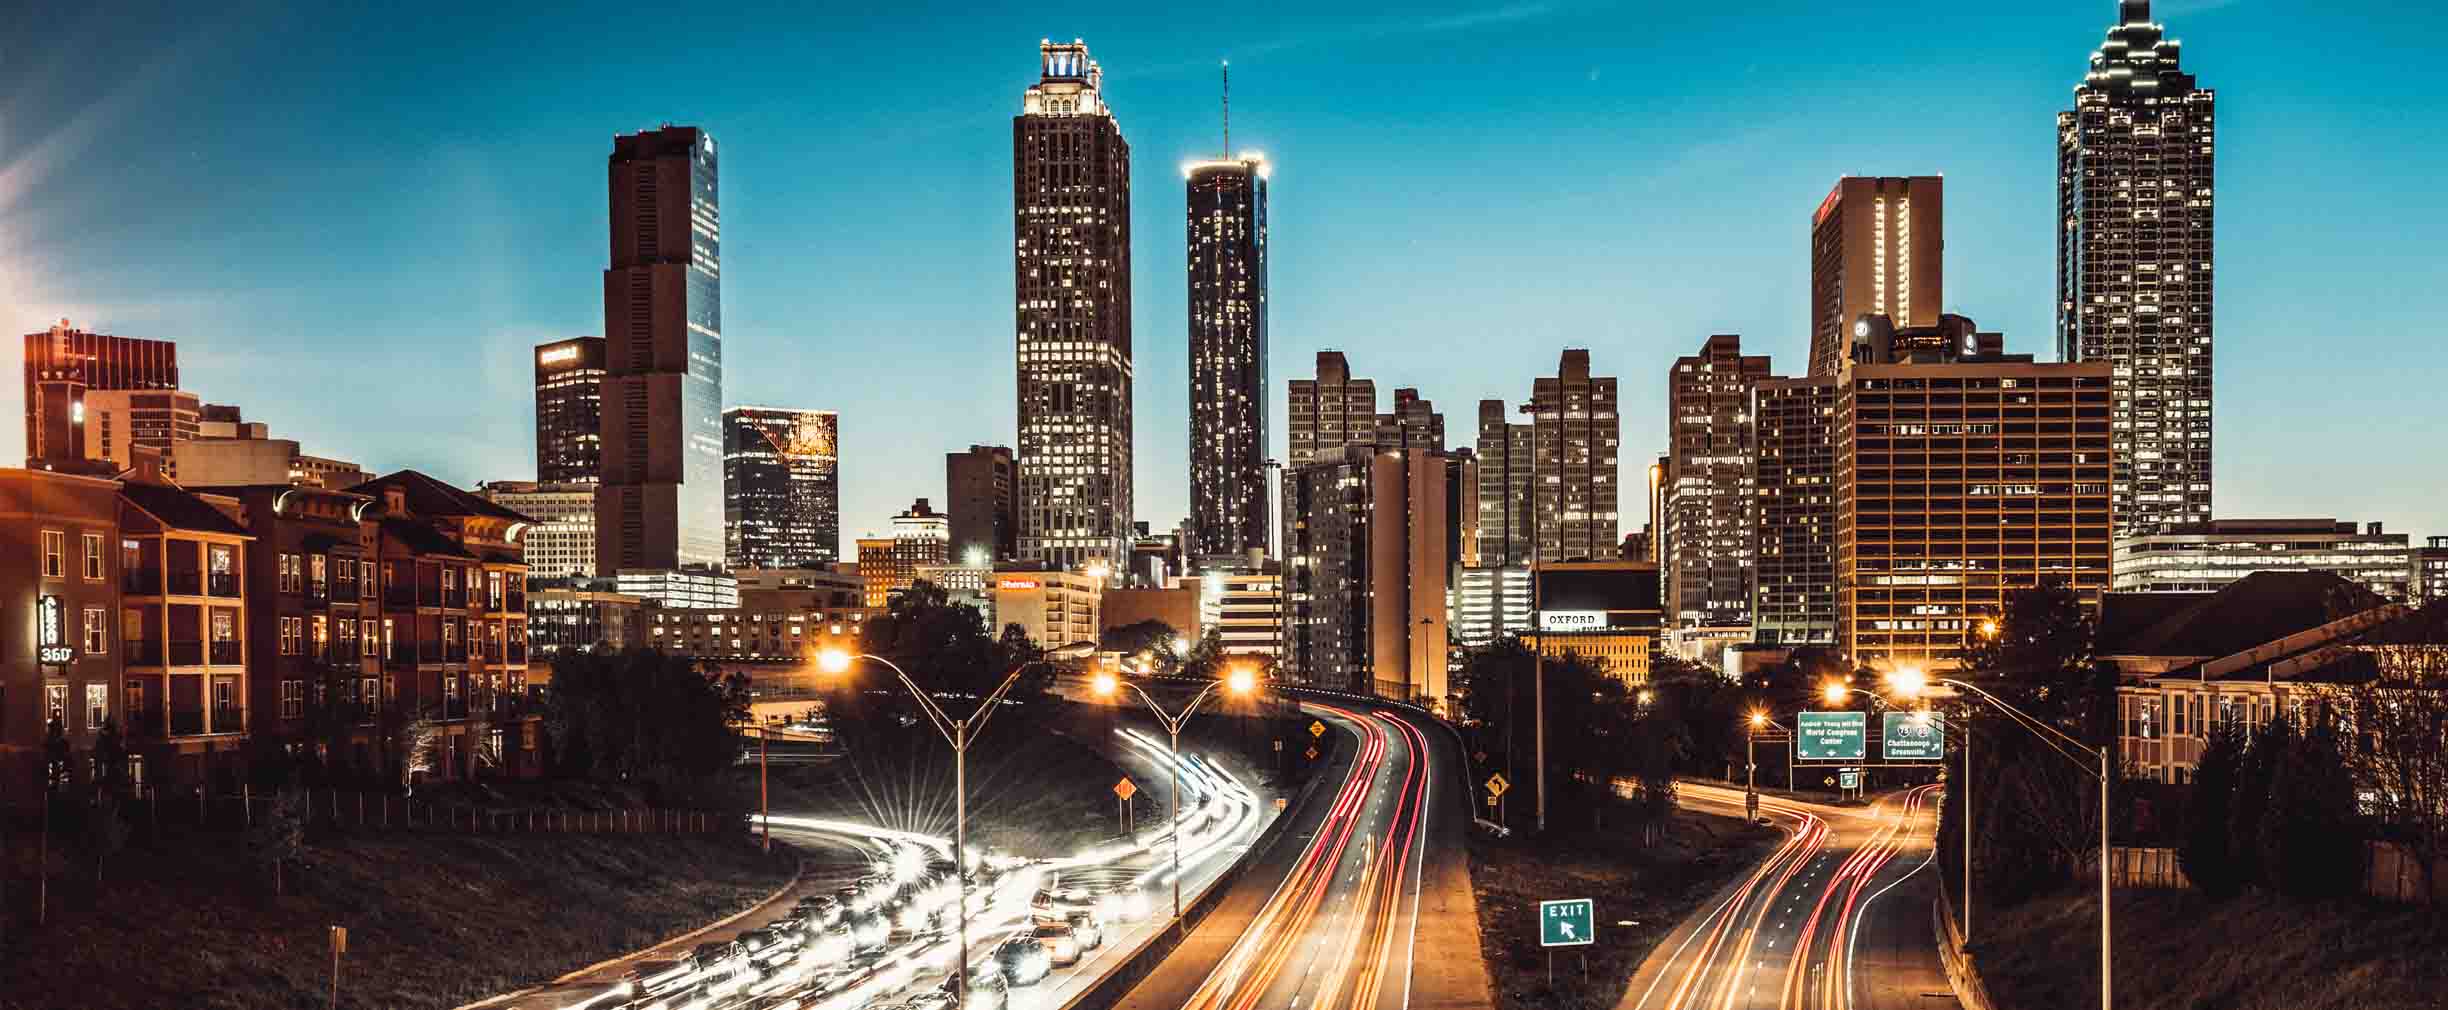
(2177, 950)
(1655, 887)
(434, 920)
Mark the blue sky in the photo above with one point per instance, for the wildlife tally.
(356, 224)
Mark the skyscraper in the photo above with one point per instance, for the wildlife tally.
(1505, 468)
(1709, 507)
(661, 506)
(1579, 438)
(62, 363)
(1072, 287)
(1413, 424)
(569, 378)
(781, 487)
(1373, 541)
(2134, 169)
(1794, 598)
(1878, 247)
(978, 496)
(1330, 411)
(1228, 350)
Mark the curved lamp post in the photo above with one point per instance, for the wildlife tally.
(1241, 682)
(958, 733)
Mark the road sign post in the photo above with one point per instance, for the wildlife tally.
(1569, 923)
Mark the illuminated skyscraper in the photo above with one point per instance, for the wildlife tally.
(1228, 350)
(2134, 170)
(1710, 511)
(661, 506)
(569, 378)
(1878, 247)
(781, 488)
(1072, 288)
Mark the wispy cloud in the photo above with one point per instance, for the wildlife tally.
(1480, 19)
(1381, 28)
(2184, 7)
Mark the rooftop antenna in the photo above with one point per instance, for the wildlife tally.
(1228, 110)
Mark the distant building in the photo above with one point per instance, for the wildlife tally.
(1794, 598)
(2198, 557)
(64, 364)
(1505, 469)
(1228, 354)
(1373, 543)
(1608, 612)
(1413, 424)
(209, 462)
(2431, 571)
(1245, 608)
(688, 588)
(1878, 247)
(1578, 442)
(979, 496)
(561, 545)
(118, 421)
(1491, 603)
(580, 615)
(1177, 606)
(1055, 608)
(569, 377)
(781, 487)
(1330, 411)
(782, 625)
(1071, 263)
(1711, 526)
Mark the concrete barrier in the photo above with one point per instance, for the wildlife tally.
(1962, 975)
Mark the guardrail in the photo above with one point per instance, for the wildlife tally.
(1962, 975)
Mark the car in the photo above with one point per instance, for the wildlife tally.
(1089, 929)
(1062, 943)
(763, 943)
(655, 976)
(713, 954)
(1021, 960)
(987, 991)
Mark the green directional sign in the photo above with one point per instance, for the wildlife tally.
(1571, 923)
(1912, 736)
(1831, 736)
(1848, 779)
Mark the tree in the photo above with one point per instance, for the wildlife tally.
(642, 715)
(109, 756)
(279, 836)
(1150, 636)
(2310, 842)
(2400, 723)
(2254, 777)
(106, 832)
(2208, 850)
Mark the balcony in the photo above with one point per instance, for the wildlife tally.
(429, 651)
(454, 707)
(517, 604)
(228, 719)
(454, 599)
(317, 593)
(518, 653)
(224, 584)
(226, 652)
(141, 581)
(493, 652)
(186, 721)
(399, 596)
(144, 652)
(454, 653)
(186, 583)
(145, 723)
(509, 706)
(186, 653)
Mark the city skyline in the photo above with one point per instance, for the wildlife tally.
(1999, 269)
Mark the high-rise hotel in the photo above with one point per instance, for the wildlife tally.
(661, 503)
(1228, 350)
(1072, 290)
(1878, 247)
(2134, 170)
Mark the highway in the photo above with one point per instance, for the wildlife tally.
(1837, 918)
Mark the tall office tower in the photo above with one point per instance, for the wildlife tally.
(1794, 602)
(1228, 350)
(64, 362)
(1579, 437)
(1330, 411)
(1071, 274)
(661, 506)
(1505, 468)
(1920, 555)
(569, 378)
(1708, 501)
(2134, 171)
(561, 544)
(1414, 424)
(1373, 541)
(1878, 247)
(978, 496)
(781, 488)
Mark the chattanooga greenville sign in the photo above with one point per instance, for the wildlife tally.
(1572, 620)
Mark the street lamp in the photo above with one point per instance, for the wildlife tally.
(1241, 681)
(1909, 681)
(958, 733)
(1759, 721)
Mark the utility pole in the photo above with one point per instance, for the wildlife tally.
(764, 794)
(2107, 972)
(1967, 827)
(1538, 653)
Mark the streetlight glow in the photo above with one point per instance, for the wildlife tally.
(833, 660)
(1833, 692)
(1242, 681)
(1908, 681)
(1759, 719)
(1103, 684)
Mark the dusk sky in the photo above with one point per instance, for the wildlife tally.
(357, 225)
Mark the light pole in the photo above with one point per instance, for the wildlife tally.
(1538, 651)
(1910, 682)
(1241, 682)
(957, 732)
(1758, 722)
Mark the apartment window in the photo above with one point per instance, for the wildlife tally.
(135, 698)
(55, 704)
(293, 699)
(221, 559)
(386, 638)
(289, 574)
(97, 706)
(493, 590)
(371, 637)
(365, 577)
(292, 629)
(93, 557)
(97, 631)
(131, 556)
(315, 573)
(55, 554)
(319, 633)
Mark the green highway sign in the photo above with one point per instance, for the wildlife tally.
(1849, 778)
(1572, 923)
(1912, 736)
(1831, 736)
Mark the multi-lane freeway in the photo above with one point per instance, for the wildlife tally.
(1837, 918)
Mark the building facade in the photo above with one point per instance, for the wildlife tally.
(979, 489)
(561, 544)
(1608, 612)
(1071, 270)
(2201, 557)
(2135, 173)
(1244, 606)
(1491, 603)
(662, 448)
(1878, 247)
(1505, 468)
(1578, 439)
(63, 364)
(2431, 571)
(1329, 411)
(1414, 423)
(1228, 352)
(1709, 503)
(781, 487)
(569, 377)
(1373, 541)
(1055, 608)
(1962, 476)
(1794, 599)
(62, 651)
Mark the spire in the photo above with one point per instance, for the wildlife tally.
(2133, 12)
(1228, 110)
